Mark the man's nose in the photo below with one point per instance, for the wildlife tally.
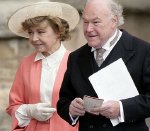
(89, 27)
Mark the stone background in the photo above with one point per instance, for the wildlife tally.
(13, 48)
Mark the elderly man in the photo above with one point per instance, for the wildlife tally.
(101, 19)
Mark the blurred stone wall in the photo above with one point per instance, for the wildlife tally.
(13, 48)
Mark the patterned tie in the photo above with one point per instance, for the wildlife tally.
(100, 51)
(99, 56)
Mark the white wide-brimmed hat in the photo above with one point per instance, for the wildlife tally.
(55, 9)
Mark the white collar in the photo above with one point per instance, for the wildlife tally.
(56, 55)
(106, 45)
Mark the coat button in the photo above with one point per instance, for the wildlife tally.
(91, 126)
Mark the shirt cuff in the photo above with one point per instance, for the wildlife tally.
(74, 120)
(120, 118)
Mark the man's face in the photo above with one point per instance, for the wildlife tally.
(98, 24)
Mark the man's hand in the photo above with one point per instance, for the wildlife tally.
(76, 107)
(109, 109)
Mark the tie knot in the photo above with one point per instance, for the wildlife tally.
(100, 51)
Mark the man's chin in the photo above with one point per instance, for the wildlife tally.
(92, 44)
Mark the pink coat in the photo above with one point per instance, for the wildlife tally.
(26, 89)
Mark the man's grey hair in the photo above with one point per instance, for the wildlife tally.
(116, 10)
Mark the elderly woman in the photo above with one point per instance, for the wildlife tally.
(35, 90)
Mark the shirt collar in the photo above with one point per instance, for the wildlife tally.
(106, 45)
(56, 55)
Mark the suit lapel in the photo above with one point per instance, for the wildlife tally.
(123, 49)
(84, 61)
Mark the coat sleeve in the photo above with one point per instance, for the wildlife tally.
(138, 107)
(16, 96)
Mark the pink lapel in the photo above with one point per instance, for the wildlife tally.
(59, 78)
(57, 123)
(35, 78)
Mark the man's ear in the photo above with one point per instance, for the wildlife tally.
(115, 20)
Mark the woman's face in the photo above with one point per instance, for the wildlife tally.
(43, 38)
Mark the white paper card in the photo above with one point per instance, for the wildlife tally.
(91, 102)
(113, 82)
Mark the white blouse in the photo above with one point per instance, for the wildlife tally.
(49, 70)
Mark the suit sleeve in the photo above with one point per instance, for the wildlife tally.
(66, 94)
(138, 107)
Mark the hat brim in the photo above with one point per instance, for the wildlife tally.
(56, 9)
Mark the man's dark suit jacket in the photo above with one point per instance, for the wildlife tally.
(81, 64)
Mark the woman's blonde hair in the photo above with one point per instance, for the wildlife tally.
(59, 26)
